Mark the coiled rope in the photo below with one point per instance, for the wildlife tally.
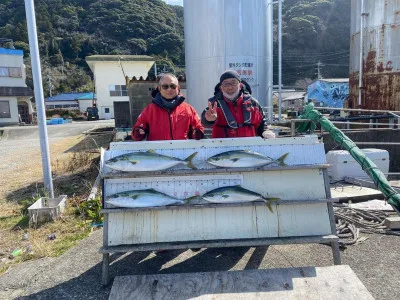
(351, 221)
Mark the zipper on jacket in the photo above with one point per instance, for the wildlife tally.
(170, 125)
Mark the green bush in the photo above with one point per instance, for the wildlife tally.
(91, 210)
(64, 113)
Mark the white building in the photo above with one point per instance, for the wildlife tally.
(110, 73)
(15, 103)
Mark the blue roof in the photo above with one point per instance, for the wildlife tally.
(11, 52)
(87, 96)
(67, 97)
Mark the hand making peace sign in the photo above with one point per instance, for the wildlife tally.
(211, 113)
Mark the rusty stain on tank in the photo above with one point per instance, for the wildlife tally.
(380, 67)
(369, 64)
(380, 64)
(380, 91)
(389, 66)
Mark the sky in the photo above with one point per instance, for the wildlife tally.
(174, 2)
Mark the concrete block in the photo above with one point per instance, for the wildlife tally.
(393, 223)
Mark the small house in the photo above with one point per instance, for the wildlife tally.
(15, 96)
(71, 101)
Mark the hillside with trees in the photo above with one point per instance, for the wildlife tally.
(314, 31)
(70, 30)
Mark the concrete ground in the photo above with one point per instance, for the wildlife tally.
(77, 273)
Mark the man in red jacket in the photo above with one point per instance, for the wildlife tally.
(233, 112)
(168, 117)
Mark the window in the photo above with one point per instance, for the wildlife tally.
(15, 72)
(5, 109)
(10, 72)
(118, 90)
(107, 110)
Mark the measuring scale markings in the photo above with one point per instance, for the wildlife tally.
(179, 187)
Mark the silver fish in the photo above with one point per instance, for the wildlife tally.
(243, 159)
(147, 161)
(236, 194)
(141, 198)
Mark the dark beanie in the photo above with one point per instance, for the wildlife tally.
(229, 74)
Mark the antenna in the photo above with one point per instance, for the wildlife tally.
(120, 63)
(319, 65)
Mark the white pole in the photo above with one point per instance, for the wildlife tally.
(280, 59)
(360, 73)
(270, 105)
(37, 82)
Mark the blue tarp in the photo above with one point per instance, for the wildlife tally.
(331, 92)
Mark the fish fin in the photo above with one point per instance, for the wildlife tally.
(151, 151)
(134, 197)
(269, 206)
(235, 159)
(268, 202)
(281, 160)
(188, 161)
(225, 196)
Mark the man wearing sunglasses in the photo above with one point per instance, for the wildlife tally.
(233, 112)
(168, 117)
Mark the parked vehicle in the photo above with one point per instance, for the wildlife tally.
(92, 113)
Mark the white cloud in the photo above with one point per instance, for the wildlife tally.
(174, 2)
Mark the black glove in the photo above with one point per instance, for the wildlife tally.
(198, 134)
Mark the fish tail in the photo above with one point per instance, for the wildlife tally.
(281, 160)
(268, 202)
(188, 161)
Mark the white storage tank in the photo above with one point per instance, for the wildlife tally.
(344, 165)
(220, 35)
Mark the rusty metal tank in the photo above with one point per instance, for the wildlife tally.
(380, 55)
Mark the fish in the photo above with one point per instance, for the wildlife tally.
(147, 161)
(236, 194)
(243, 159)
(141, 198)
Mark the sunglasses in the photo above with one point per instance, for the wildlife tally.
(232, 83)
(166, 86)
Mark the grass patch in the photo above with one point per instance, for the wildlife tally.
(69, 241)
(71, 227)
(8, 222)
(74, 170)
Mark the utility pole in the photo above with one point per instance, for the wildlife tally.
(269, 52)
(38, 88)
(360, 74)
(319, 65)
(280, 59)
(50, 86)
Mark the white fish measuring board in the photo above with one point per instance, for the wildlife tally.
(179, 187)
(303, 151)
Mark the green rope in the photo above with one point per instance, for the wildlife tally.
(367, 164)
